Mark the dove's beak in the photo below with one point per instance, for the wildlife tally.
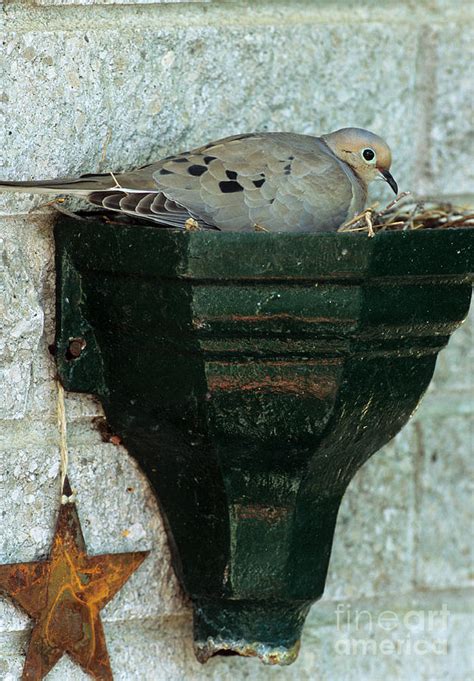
(388, 178)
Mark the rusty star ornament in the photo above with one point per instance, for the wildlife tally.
(64, 595)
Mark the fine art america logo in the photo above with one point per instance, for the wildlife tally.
(415, 632)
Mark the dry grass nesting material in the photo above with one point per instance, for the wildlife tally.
(407, 212)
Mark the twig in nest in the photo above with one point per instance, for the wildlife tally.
(370, 226)
(402, 214)
(191, 225)
(358, 219)
(410, 224)
(400, 197)
(69, 213)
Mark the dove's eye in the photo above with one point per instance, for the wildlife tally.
(368, 154)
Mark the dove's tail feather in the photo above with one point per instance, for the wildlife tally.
(81, 186)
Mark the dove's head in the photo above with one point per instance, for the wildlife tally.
(367, 154)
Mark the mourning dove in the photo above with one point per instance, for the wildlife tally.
(282, 182)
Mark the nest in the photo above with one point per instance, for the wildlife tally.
(406, 212)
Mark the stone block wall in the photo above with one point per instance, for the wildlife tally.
(93, 85)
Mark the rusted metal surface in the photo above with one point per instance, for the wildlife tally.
(269, 654)
(288, 377)
(257, 373)
(269, 514)
(239, 319)
(64, 595)
(317, 388)
(76, 346)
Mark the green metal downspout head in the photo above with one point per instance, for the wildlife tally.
(251, 375)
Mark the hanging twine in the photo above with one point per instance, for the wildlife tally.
(67, 495)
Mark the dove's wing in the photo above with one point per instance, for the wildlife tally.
(281, 181)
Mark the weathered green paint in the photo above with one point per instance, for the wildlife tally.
(251, 375)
